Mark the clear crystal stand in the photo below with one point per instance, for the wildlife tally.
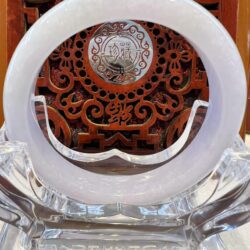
(37, 217)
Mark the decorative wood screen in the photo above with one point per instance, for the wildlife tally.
(140, 108)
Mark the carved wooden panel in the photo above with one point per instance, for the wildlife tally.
(123, 108)
(138, 109)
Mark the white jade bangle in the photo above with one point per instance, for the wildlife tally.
(226, 109)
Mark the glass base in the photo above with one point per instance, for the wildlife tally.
(12, 238)
(38, 217)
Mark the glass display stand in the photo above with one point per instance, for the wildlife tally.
(38, 217)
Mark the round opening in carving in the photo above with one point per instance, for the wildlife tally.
(173, 55)
(66, 54)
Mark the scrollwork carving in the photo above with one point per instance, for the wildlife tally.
(139, 117)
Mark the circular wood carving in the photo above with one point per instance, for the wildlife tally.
(120, 52)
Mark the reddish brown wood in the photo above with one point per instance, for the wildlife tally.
(248, 116)
(243, 41)
(229, 14)
(15, 25)
(3, 50)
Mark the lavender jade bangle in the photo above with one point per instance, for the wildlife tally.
(225, 113)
